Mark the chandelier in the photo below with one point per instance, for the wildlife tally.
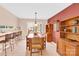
(35, 23)
(35, 18)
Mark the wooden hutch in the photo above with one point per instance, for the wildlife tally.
(68, 44)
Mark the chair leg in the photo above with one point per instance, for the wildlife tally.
(41, 51)
(30, 52)
(45, 45)
(29, 48)
(5, 49)
(11, 45)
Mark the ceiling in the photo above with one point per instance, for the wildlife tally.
(27, 10)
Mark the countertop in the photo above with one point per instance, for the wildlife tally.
(3, 34)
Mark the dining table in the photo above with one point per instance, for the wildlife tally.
(32, 35)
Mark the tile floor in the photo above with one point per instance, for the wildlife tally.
(20, 50)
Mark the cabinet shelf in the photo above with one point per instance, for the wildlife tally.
(69, 33)
(69, 25)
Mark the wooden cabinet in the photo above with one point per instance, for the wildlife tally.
(61, 47)
(68, 47)
(49, 32)
(68, 44)
(70, 50)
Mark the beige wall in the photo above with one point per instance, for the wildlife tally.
(6, 18)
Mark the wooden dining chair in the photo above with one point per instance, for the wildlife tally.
(45, 41)
(27, 42)
(36, 43)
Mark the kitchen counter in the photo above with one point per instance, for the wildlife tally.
(3, 34)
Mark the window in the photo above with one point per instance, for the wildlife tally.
(56, 26)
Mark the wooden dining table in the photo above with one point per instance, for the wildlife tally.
(30, 36)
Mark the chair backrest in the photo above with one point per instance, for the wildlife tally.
(36, 40)
(7, 37)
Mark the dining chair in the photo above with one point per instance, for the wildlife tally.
(27, 42)
(36, 43)
(7, 40)
(44, 41)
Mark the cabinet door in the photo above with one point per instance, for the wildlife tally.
(70, 50)
(61, 47)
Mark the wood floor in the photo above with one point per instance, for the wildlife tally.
(20, 50)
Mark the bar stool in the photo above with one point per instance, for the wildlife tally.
(7, 39)
(15, 36)
(12, 41)
(18, 35)
(3, 47)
